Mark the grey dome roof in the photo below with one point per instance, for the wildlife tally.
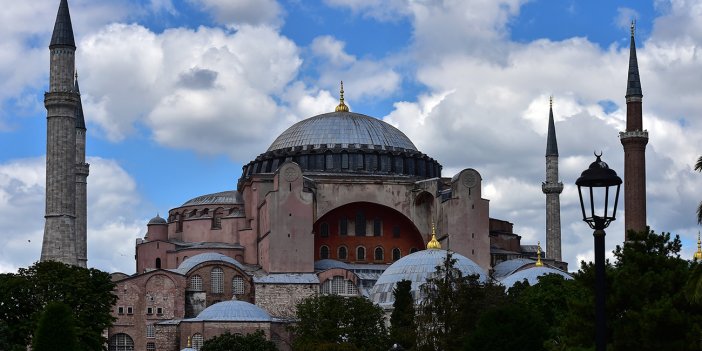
(325, 264)
(417, 267)
(508, 267)
(233, 311)
(531, 275)
(157, 220)
(342, 128)
(221, 198)
(191, 262)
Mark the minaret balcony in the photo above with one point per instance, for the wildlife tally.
(638, 134)
(552, 188)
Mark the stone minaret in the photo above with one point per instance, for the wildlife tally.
(61, 102)
(552, 188)
(634, 140)
(82, 170)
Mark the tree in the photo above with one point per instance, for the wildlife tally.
(87, 292)
(56, 329)
(646, 306)
(251, 342)
(698, 168)
(451, 305)
(332, 322)
(512, 326)
(402, 328)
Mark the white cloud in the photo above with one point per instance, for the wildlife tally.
(238, 12)
(113, 221)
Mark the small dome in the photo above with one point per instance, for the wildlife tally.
(417, 267)
(323, 265)
(508, 267)
(531, 275)
(233, 311)
(342, 128)
(221, 198)
(157, 220)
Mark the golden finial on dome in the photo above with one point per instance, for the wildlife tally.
(190, 344)
(698, 253)
(342, 106)
(433, 244)
(538, 254)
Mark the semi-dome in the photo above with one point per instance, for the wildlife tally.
(233, 311)
(345, 128)
(531, 275)
(417, 268)
(220, 198)
(192, 262)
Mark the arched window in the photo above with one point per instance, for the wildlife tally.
(396, 254)
(377, 227)
(324, 230)
(324, 252)
(360, 224)
(216, 277)
(238, 285)
(150, 331)
(343, 226)
(158, 262)
(378, 254)
(351, 288)
(360, 253)
(196, 283)
(121, 342)
(197, 341)
(329, 160)
(413, 250)
(217, 218)
(343, 253)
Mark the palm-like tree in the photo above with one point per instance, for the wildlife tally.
(698, 168)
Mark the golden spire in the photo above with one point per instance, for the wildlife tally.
(538, 255)
(190, 344)
(342, 106)
(433, 244)
(698, 253)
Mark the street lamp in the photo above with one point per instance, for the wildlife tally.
(597, 180)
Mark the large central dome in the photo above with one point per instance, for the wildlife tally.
(345, 128)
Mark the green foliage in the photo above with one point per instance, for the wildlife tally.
(512, 326)
(251, 342)
(332, 322)
(56, 329)
(451, 306)
(87, 292)
(402, 328)
(646, 304)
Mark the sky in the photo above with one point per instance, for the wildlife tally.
(179, 94)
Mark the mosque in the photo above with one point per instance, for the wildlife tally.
(340, 203)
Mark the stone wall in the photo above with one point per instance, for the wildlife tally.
(279, 300)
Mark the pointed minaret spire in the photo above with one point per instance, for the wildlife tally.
(634, 141)
(633, 85)
(80, 119)
(552, 188)
(63, 29)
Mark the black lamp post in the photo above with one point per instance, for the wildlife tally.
(597, 180)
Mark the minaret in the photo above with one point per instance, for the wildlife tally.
(82, 170)
(61, 102)
(552, 188)
(634, 140)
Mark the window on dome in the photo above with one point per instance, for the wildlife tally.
(324, 252)
(324, 229)
(216, 277)
(179, 223)
(359, 161)
(329, 161)
(196, 283)
(360, 224)
(378, 254)
(121, 342)
(396, 231)
(360, 253)
(377, 227)
(158, 262)
(238, 285)
(217, 218)
(396, 254)
(342, 253)
(344, 160)
(197, 341)
(343, 226)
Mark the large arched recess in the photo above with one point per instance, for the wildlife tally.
(396, 232)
